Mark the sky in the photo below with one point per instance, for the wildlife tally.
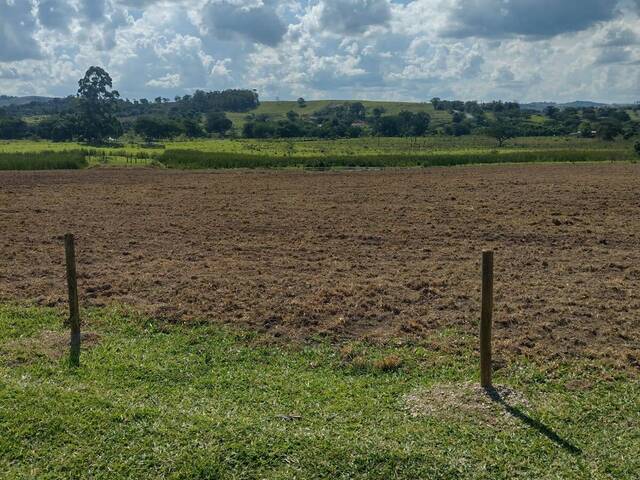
(523, 50)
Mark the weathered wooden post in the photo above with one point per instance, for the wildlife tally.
(486, 318)
(74, 309)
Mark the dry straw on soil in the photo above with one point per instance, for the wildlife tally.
(359, 255)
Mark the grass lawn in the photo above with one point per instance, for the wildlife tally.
(154, 400)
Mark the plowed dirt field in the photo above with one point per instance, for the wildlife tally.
(376, 255)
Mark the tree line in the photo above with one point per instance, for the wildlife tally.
(97, 114)
(345, 120)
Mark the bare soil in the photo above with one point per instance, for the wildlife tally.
(370, 255)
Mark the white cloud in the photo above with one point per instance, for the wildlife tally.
(170, 80)
(220, 68)
(522, 49)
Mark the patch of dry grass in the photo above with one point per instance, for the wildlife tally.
(48, 344)
(459, 401)
(388, 363)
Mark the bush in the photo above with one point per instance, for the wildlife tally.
(153, 128)
(217, 122)
(637, 148)
(192, 128)
(259, 129)
(57, 128)
(12, 128)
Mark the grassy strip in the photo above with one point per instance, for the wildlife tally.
(45, 160)
(170, 401)
(178, 158)
(300, 147)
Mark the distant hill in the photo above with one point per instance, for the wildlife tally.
(540, 106)
(584, 104)
(6, 101)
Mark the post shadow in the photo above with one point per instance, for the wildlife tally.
(540, 427)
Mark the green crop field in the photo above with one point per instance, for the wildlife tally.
(394, 145)
(368, 151)
(34, 146)
(363, 145)
(153, 400)
(198, 159)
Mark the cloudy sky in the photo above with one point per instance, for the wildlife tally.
(522, 50)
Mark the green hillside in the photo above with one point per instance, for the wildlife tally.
(278, 110)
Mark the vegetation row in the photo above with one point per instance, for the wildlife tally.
(178, 158)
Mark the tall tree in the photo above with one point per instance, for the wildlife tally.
(97, 104)
(501, 131)
(551, 111)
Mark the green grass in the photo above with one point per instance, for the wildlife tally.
(538, 119)
(152, 400)
(34, 146)
(43, 160)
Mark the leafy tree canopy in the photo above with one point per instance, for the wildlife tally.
(97, 104)
(501, 130)
(217, 122)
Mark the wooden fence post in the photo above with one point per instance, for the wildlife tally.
(486, 318)
(74, 309)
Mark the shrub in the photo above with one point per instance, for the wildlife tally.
(217, 122)
(153, 128)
